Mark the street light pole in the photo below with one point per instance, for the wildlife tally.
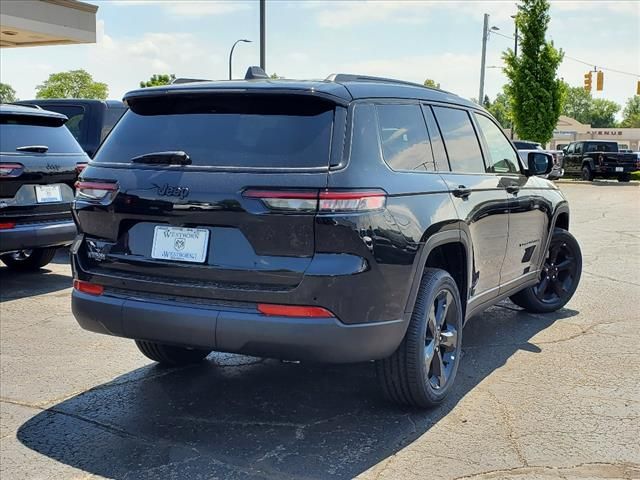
(243, 40)
(485, 36)
(515, 54)
(263, 56)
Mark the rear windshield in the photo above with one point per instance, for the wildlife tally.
(602, 147)
(22, 131)
(253, 131)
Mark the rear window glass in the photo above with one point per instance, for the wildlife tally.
(253, 131)
(75, 114)
(602, 147)
(18, 131)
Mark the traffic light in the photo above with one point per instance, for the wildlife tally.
(638, 88)
(587, 81)
(599, 80)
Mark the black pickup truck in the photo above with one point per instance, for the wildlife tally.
(90, 121)
(596, 158)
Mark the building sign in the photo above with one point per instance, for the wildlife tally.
(604, 132)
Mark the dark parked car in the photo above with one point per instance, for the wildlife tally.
(344, 220)
(39, 161)
(90, 121)
(599, 158)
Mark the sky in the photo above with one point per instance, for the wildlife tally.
(405, 39)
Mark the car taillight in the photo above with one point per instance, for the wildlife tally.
(355, 201)
(94, 190)
(7, 225)
(321, 201)
(300, 201)
(80, 167)
(293, 311)
(11, 170)
(88, 287)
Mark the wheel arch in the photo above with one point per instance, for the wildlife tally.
(560, 219)
(455, 246)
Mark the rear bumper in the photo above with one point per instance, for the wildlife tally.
(36, 235)
(236, 330)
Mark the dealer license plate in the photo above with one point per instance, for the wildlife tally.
(180, 244)
(48, 193)
(619, 169)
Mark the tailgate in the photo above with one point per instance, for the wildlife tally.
(193, 225)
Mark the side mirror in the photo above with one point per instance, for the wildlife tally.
(539, 163)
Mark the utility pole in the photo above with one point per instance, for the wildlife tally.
(263, 59)
(485, 37)
(515, 54)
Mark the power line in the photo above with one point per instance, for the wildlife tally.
(591, 64)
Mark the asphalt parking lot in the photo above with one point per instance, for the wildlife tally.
(538, 396)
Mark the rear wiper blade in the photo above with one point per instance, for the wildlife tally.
(163, 158)
(33, 148)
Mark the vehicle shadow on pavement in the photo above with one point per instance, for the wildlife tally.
(242, 417)
(15, 285)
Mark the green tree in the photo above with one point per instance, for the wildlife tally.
(602, 113)
(7, 93)
(275, 76)
(500, 108)
(431, 83)
(577, 104)
(72, 84)
(631, 113)
(158, 79)
(536, 92)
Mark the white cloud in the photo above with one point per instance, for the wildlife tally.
(190, 8)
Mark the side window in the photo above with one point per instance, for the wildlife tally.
(75, 114)
(502, 156)
(571, 148)
(460, 140)
(111, 117)
(403, 133)
(578, 148)
(437, 146)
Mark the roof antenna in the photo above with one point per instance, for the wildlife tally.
(254, 73)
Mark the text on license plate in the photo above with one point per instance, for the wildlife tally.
(180, 244)
(48, 193)
(619, 169)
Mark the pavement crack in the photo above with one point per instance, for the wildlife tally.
(622, 470)
(612, 279)
(509, 429)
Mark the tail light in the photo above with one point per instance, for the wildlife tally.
(88, 287)
(321, 201)
(94, 190)
(293, 311)
(80, 167)
(11, 170)
(7, 225)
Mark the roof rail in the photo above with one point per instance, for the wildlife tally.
(188, 80)
(349, 77)
(30, 105)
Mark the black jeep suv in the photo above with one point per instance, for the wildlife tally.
(39, 163)
(344, 220)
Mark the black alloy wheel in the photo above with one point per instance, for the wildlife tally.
(559, 276)
(441, 340)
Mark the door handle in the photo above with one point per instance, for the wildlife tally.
(461, 191)
(513, 189)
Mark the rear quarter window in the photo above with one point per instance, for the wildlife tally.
(21, 131)
(245, 131)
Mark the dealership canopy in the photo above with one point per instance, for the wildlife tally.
(28, 23)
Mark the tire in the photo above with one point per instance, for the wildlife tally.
(558, 283)
(625, 178)
(171, 356)
(28, 260)
(587, 174)
(410, 375)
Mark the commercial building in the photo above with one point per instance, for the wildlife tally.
(569, 130)
(25, 23)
